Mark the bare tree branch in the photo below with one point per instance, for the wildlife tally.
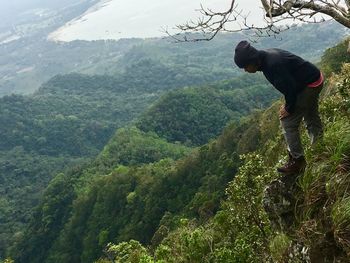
(276, 11)
(347, 2)
(329, 8)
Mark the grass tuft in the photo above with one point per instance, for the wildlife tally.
(341, 222)
(279, 247)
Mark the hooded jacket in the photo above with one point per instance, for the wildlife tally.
(288, 73)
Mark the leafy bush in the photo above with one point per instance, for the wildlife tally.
(333, 58)
(127, 252)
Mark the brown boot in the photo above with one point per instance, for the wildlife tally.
(293, 166)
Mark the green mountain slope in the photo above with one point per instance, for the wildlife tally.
(334, 58)
(132, 201)
(71, 118)
(195, 115)
(54, 213)
(243, 230)
(130, 147)
(72, 114)
(174, 206)
(68, 120)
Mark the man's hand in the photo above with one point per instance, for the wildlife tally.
(283, 112)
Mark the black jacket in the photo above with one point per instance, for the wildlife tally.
(288, 73)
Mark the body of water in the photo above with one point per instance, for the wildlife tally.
(115, 19)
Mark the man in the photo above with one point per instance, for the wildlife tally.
(300, 82)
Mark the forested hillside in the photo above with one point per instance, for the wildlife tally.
(72, 117)
(193, 116)
(242, 230)
(139, 189)
(314, 228)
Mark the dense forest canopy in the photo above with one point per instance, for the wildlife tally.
(193, 116)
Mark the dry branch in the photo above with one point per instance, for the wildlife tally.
(276, 11)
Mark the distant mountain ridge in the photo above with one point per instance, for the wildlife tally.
(28, 62)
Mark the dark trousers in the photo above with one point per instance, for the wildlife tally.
(306, 109)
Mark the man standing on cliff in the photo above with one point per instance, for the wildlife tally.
(300, 82)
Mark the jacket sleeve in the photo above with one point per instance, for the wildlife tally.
(284, 82)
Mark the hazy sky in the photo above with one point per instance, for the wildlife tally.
(144, 18)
